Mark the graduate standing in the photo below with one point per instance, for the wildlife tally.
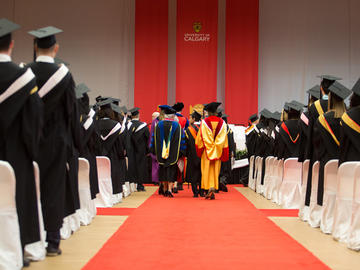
(212, 146)
(56, 88)
(193, 169)
(20, 126)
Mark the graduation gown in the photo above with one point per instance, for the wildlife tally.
(289, 139)
(225, 170)
(21, 114)
(212, 146)
(168, 145)
(140, 139)
(131, 169)
(193, 166)
(56, 88)
(350, 136)
(154, 163)
(318, 108)
(112, 146)
(250, 140)
(303, 124)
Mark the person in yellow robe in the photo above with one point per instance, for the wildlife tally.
(212, 147)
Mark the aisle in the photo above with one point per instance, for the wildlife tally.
(190, 233)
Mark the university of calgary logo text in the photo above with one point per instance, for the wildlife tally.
(197, 26)
(197, 37)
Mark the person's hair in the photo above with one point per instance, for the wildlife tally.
(5, 42)
(293, 114)
(212, 113)
(47, 50)
(106, 113)
(354, 100)
(284, 116)
(312, 99)
(337, 105)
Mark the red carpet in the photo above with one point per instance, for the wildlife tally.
(280, 212)
(189, 233)
(114, 211)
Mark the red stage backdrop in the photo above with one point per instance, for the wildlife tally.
(151, 56)
(241, 77)
(196, 51)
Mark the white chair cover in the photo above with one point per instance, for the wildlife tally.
(104, 198)
(10, 245)
(267, 178)
(126, 192)
(354, 231)
(344, 200)
(251, 171)
(314, 209)
(127, 184)
(117, 198)
(304, 209)
(279, 171)
(86, 204)
(259, 187)
(132, 187)
(273, 173)
(37, 251)
(330, 185)
(290, 189)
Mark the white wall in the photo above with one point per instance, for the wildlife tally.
(299, 40)
(98, 39)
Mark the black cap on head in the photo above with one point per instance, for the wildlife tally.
(356, 88)
(298, 104)
(134, 111)
(103, 104)
(124, 109)
(115, 108)
(212, 107)
(196, 116)
(340, 90)
(7, 27)
(286, 106)
(328, 80)
(169, 110)
(45, 37)
(294, 106)
(80, 90)
(276, 116)
(266, 113)
(314, 91)
(178, 106)
(253, 117)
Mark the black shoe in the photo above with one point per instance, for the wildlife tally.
(161, 191)
(26, 262)
(180, 187)
(217, 191)
(175, 190)
(196, 196)
(169, 194)
(202, 194)
(52, 252)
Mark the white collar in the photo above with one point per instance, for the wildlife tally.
(5, 57)
(45, 58)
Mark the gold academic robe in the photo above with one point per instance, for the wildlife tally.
(212, 147)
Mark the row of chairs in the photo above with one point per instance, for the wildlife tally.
(285, 183)
(10, 245)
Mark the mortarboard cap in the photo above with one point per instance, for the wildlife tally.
(7, 27)
(299, 104)
(266, 113)
(328, 80)
(124, 109)
(196, 115)
(115, 108)
(314, 91)
(356, 88)
(212, 107)
(163, 107)
(45, 37)
(178, 106)
(286, 106)
(106, 103)
(169, 110)
(340, 90)
(295, 107)
(253, 117)
(80, 90)
(134, 111)
(276, 116)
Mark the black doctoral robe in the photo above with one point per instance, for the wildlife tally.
(193, 166)
(21, 118)
(57, 143)
(131, 169)
(350, 136)
(225, 170)
(327, 142)
(316, 109)
(303, 124)
(289, 139)
(140, 135)
(112, 146)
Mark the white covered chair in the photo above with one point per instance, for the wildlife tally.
(304, 209)
(344, 200)
(10, 245)
(259, 188)
(330, 185)
(272, 179)
(314, 208)
(104, 198)
(267, 178)
(290, 189)
(278, 177)
(37, 251)
(251, 172)
(86, 204)
(354, 231)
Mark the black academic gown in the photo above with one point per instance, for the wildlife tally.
(314, 113)
(140, 135)
(21, 116)
(56, 146)
(193, 166)
(277, 151)
(289, 139)
(303, 124)
(112, 146)
(131, 169)
(327, 146)
(350, 136)
(225, 170)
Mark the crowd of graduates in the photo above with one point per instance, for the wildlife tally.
(324, 129)
(48, 119)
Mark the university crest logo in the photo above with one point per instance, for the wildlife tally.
(197, 27)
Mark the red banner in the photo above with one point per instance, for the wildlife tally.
(241, 78)
(151, 56)
(196, 52)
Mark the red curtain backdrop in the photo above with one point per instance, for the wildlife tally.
(196, 52)
(241, 56)
(151, 56)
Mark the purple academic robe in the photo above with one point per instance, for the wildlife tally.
(155, 164)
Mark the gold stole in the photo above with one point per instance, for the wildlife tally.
(327, 127)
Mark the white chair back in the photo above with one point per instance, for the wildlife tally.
(85, 211)
(104, 198)
(354, 231)
(304, 210)
(259, 187)
(10, 245)
(267, 178)
(251, 170)
(314, 209)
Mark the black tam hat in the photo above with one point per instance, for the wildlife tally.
(178, 106)
(134, 111)
(196, 116)
(253, 117)
(212, 107)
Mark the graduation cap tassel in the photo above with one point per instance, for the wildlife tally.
(34, 51)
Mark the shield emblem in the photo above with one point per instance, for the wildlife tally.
(197, 27)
